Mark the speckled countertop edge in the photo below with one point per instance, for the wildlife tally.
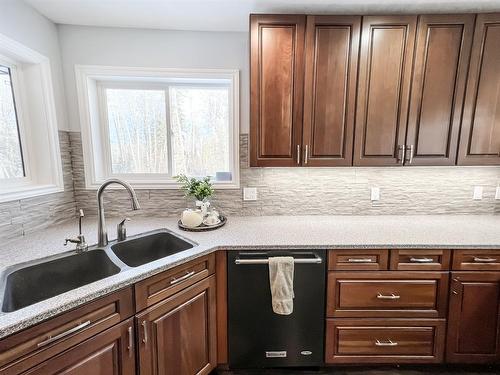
(247, 233)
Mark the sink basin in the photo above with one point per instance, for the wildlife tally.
(145, 249)
(34, 283)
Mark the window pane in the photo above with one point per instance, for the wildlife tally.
(200, 131)
(11, 158)
(137, 131)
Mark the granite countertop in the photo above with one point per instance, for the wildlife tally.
(270, 232)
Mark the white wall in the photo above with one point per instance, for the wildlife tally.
(152, 48)
(22, 23)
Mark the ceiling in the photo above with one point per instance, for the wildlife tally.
(230, 15)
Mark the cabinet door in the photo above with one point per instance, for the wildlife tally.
(178, 336)
(441, 59)
(480, 135)
(109, 353)
(474, 320)
(332, 45)
(383, 89)
(276, 89)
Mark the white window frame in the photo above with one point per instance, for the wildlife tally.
(37, 123)
(91, 82)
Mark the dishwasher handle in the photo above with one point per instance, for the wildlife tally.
(315, 260)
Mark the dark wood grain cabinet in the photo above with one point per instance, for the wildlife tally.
(178, 335)
(442, 54)
(111, 352)
(386, 59)
(332, 44)
(474, 318)
(276, 94)
(375, 90)
(480, 136)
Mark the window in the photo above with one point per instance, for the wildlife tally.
(11, 155)
(149, 126)
(30, 161)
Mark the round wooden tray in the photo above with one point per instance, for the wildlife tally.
(203, 227)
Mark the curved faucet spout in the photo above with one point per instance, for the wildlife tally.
(101, 224)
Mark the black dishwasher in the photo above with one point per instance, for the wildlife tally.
(258, 337)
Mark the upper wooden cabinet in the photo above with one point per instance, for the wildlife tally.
(480, 136)
(374, 90)
(276, 97)
(383, 89)
(442, 54)
(332, 44)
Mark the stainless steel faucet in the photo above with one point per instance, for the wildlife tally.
(81, 245)
(102, 235)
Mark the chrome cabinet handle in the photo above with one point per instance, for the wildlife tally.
(484, 260)
(392, 296)
(130, 341)
(421, 260)
(386, 343)
(409, 158)
(145, 329)
(306, 154)
(61, 335)
(186, 276)
(401, 154)
(360, 260)
(298, 154)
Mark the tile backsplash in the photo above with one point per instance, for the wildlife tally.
(24, 216)
(281, 191)
(317, 191)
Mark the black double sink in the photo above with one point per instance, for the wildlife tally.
(28, 283)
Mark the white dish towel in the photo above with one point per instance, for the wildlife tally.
(281, 281)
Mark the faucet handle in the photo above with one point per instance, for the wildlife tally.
(121, 230)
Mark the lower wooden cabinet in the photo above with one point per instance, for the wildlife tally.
(384, 340)
(474, 318)
(109, 353)
(178, 335)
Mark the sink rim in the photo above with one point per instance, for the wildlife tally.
(108, 252)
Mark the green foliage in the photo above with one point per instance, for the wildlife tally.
(200, 189)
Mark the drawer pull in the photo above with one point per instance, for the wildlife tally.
(61, 335)
(484, 260)
(360, 260)
(392, 296)
(386, 343)
(182, 278)
(421, 260)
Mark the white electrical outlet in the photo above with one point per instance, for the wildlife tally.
(249, 194)
(478, 193)
(497, 193)
(375, 194)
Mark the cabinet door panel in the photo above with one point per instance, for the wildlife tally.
(332, 44)
(480, 136)
(383, 90)
(177, 336)
(277, 69)
(109, 353)
(474, 320)
(441, 58)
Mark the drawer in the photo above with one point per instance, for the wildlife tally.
(358, 260)
(156, 288)
(384, 341)
(34, 345)
(420, 259)
(387, 294)
(476, 260)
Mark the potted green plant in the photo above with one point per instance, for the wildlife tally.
(200, 189)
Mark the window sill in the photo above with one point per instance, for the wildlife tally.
(28, 192)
